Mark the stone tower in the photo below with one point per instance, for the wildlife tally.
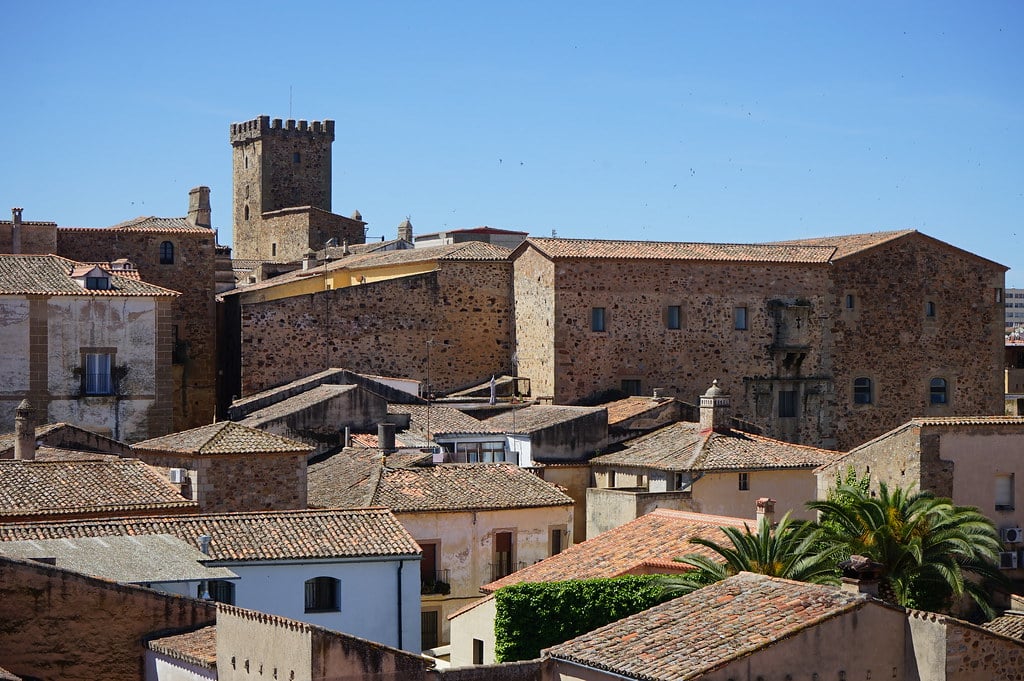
(281, 172)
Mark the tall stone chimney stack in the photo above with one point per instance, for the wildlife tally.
(405, 230)
(16, 231)
(199, 207)
(765, 511)
(25, 432)
(714, 409)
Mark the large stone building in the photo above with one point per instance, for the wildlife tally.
(85, 344)
(282, 190)
(826, 341)
(175, 253)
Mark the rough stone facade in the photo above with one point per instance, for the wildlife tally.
(450, 328)
(60, 624)
(223, 483)
(900, 313)
(282, 190)
(192, 321)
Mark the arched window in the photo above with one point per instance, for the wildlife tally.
(939, 390)
(862, 391)
(323, 594)
(167, 253)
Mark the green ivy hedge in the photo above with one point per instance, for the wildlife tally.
(531, 617)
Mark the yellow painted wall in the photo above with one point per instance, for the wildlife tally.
(719, 493)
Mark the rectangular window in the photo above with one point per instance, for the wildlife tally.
(323, 594)
(849, 301)
(1004, 492)
(503, 555)
(221, 590)
(787, 403)
(478, 651)
(674, 317)
(556, 540)
(273, 250)
(740, 318)
(98, 379)
(631, 386)
(744, 482)
(929, 309)
(597, 319)
(999, 295)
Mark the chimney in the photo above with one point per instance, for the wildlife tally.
(765, 511)
(25, 432)
(309, 260)
(199, 206)
(714, 409)
(405, 230)
(16, 231)
(386, 437)
(861, 575)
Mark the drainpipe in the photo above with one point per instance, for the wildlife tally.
(401, 564)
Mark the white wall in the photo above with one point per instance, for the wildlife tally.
(160, 667)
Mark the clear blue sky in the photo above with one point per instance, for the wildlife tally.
(695, 121)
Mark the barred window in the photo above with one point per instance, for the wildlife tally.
(322, 594)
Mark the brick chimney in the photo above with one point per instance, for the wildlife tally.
(16, 231)
(714, 409)
(199, 206)
(765, 511)
(861, 575)
(25, 432)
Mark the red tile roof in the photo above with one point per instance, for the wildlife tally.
(631, 407)
(225, 437)
(51, 275)
(443, 420)
(648, 544)
(660, 250)
(151, 223)
(683, 447)
(538, 417)
(692, 635)
(1010, 624)
(197, 647)
(849, 244)
(264, 535)
(92, 487)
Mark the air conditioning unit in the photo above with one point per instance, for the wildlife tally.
(177, 475)
(1007, 560)
(1012, 535)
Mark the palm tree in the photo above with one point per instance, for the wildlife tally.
(928, 548)
(790, 550)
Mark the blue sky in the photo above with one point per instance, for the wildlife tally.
(693, 121)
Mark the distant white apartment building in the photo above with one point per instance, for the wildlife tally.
(1014, 307)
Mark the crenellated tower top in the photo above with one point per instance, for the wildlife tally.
(263, 125)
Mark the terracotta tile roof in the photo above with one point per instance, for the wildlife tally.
(151, 223)
(197, 647)
(443, 420)
(538, 417)
(264, 535)
(47, 453)
(1009, 624)
(52, 433)
(659, 250)
(848, 244)
(358, 479)
(631, 407)
(225, 437)
(968, 421)
(720, 623)
(651, 541)
(683, 447)
(55, 488)
(51, 275)
(304, 400)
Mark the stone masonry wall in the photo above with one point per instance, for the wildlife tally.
(287, 234)
(250, 482)
(752, 364)
(894, 459)
(192, 314)
(535, 321)
(62, 625)
(36, 237)
(973, 654)
(384, 327)
(888, 336)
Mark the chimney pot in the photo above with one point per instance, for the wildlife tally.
(25, 432)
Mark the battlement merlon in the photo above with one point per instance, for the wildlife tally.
(263, 126)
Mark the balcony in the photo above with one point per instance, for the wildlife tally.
(437, 583)
(504, 569)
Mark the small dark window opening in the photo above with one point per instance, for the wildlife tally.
(273, 250)
(322, 594)
(597, 321)
(428, 629)
(744, 482)
(939, 391)
(478, 651)
(862, 391)
(632, 386)
(556, 541)
(97, 283)
(166, 253)
(849, 301)
(787, 403)
(296, 157)
(220, 590)
(929, 310)
(674, 317)
(740, 318)
(247, 213)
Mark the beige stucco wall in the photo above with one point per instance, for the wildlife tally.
(607, 508)
(977, 458)
(251, 645)
(719, 493)
(465, 547)
(475, 623)
(574, 479)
